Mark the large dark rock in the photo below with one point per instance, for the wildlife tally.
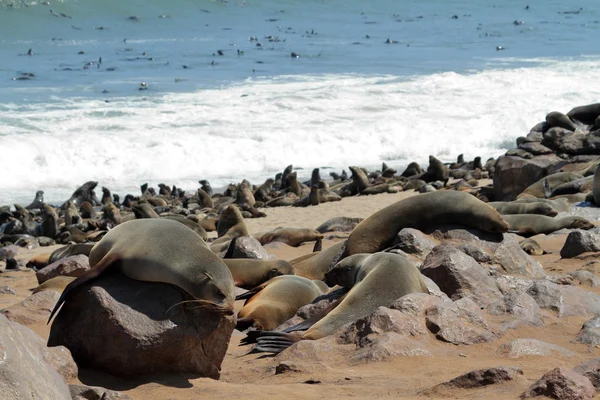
(28, 368)
(248, 247)
(482, 377)
(129, 328)
(535, 148)
(459, 275)
(73, 266)
(561, 384)
(578, 242)
(565, 141)
(514, 174)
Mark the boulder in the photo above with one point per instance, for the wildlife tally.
(565, 300)
(83, 392)
(531, 347)
(514, 260)
(459, 322)
(34, 309)
(459, 275)
(590, 332)
(149, 330)
(73, 266)
(520, 308)
(561, 384)
(7, 290)
(248, 247)
(580, 241)
(512, 175)
(24, 371)
(590, 369)
(566, 141)
(482, 377)
(584, 277)
(387, 345)
(413, 241)
(535, 148)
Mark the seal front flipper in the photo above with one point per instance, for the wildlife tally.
(93, 273)
(275, 342)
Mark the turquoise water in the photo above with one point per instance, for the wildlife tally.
(440, 87)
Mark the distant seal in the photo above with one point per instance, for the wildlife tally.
(230, 225)
(412, 169)
(72, 215)
(508, 207)
(284, 176)
(290, 236)
(559, 205)
(58, 284)
(293, 185)
(374, 280)
(204, 199)
(205, 185)
(160, 250)
(275, 301)
(249, 273)
(85, 193)
(264, 190)
(112, 213)
(359, 180)
(144, 210)
(87, 211)
(339, 224)
(37, 202)
(586, 114)
(596, 187)
(531, 224)
(70, 250)
(190, 224)
(378, 231)
(49, 226)
(436, 171)
(244, 195)
(560, 120)
(532, 247)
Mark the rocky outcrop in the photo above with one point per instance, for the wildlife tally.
(578, 242)
(590, 332)
(561, 384)
(514, 174)
(148, 328)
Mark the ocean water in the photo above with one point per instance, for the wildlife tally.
(438, 86)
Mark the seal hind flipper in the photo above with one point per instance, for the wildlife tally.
(318, 245)
(93, 273)
(275, 342)
(244, 323)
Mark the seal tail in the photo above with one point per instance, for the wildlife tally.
(93, 273)
(275, 342)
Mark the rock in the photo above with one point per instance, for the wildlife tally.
(9, 251)
(459, 275)
(413, 241)
(535, 148)
(561, 384)
(568, 142)
(565, 300)
(249, 247)
(12, 264)
(435, 290)
(579, 241)
(512, 175)
(147, 334)
(590, 332)
(45, 241)
(322, 351)
(531, 347)
(70, 266)
(475, 252)
(387, 345)
(24, 372)
(508, 284)
(460, 322)
(514, 260)
(34, 309)
(7, 290)
(285, 367)
(585, 278)
(482, 377)
(521, 307)
(386, 320)
(590, 369)
(416, 304)
(82, 392)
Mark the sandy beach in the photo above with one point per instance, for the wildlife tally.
(253, 375)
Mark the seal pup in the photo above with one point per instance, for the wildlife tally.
(249, 273)
(275, 301)
(532, 247)
(339, 224)
(160, 250)
(290, 236)
(378, 231)
(374, 280)
(532, 224)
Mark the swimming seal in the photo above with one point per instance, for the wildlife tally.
(374, 280)
(160, 250)
(275, 301)
(248, 273)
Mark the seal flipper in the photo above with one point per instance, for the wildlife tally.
(318, 245)
(275, 342)
(93, 273)
(547, 189)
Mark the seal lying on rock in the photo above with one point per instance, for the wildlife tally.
(161, 250)
(375, 280)
(531, 224)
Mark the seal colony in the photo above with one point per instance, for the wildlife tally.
(202, 242)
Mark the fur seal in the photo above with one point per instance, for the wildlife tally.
(436, 171)
(37, 202)
(72, 215)
(374, 280)
(359, 180)
(284, 176)
(87, 211)
(339, 224)
(229, 226)
(244, 195)
(144, 210)
(290, 236)
(204, 199)
(275, 301)
(70, 250)
(205, 185)
(49, 226)
(508, 207)
(264, 190)
(560, 120)
(58, 284)
(531, 247)
(586, 114)
(316, 265)
(537, 189)
(160, 250)
(378, 231)
(412, 169)
(85, 193)
(560, 204)
(531, 224)
(596, 187)
(248, 273)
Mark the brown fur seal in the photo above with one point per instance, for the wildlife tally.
(531, 224)
(339, 224)
(537, 189)
(378, 231)
(560, 120)
(160, 250)
(316, 266)
(508, 207)
(58, 284)
(190, 224)
(112, 213)
(293, 185)
(50, 221)
(263, 192)
(72, 215)
(586, 114)
(144, 210)
(70, 250)
(244, 194)
(87, 210)
(248, 273)
(229, 226)
(374, 280)
(559, 205)
(532, 247)
(290, 236)
(275, 301)
(436, 171)
(359, 180)
(412, 169)
(204, 200)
